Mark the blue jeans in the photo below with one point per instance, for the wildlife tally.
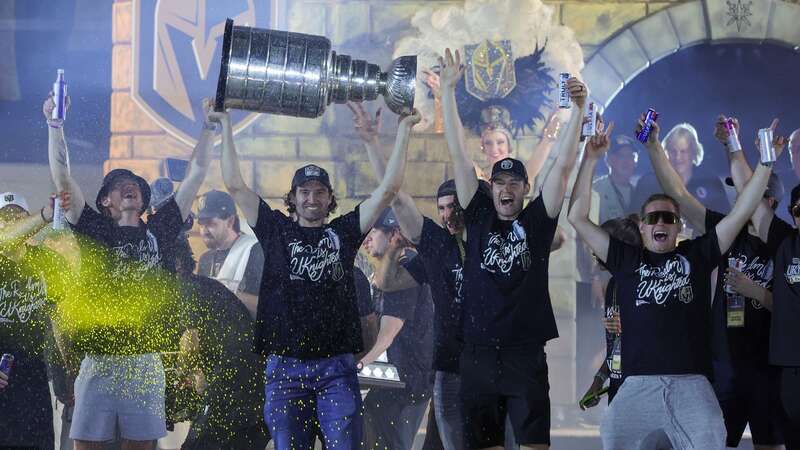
(303, 396)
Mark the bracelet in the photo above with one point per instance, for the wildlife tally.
(41, 213)
(767, 163)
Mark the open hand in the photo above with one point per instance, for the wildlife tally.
(432, 81)
(366, 126)
(452, 69)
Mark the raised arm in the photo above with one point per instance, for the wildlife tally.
(555, 183)
(18, 232)
(542, 150)
(671, 182)
(58, 158)
(245, 198)
(580, 202)
(746, 204)
(741, 172)
(392, 180)
(465, 176)
(408, 216)
(198, 166)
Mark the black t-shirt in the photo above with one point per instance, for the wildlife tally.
(506, 295)
(785, 332)
(412, 349)
(211, 262)
(307, 302)
(748, 344)
(235, 394)
(664, 304)
(612, 304)
(439, 265)
(129, 291)
(363, 293)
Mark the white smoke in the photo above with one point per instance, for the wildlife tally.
(526, 23)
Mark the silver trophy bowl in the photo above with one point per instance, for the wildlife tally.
(296, 74)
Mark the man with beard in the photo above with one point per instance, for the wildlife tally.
(664, 293)
(307, 322)
(233, 258)
(124, 262)
(746, 386)
(32, 281)
(507, 314)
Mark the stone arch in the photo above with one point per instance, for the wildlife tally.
(634, 48)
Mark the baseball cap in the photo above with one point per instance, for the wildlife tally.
(311, 172)
(510, 166)
(13, 199)
(387, 220)
(216, 204)
(117, 175)
(446, 188)
(621, 141)
(775, 188)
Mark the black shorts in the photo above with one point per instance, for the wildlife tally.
(496, 381)
(754, 399)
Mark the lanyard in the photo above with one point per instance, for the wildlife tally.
(460, 248)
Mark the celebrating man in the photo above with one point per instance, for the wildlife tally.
(307, 322)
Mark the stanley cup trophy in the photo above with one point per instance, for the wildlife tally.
(296, 74)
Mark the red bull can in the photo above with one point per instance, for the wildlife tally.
(6, 363)
(563, 93)
(733, 138)
(649, 118)
(765, 136)
(590, 121)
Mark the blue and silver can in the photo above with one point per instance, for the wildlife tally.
(6, 363)
(649, 118)
(60, 97)
(563, 93)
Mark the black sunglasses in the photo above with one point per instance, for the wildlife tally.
(668, 217)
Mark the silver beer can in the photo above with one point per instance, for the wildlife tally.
(563, 93)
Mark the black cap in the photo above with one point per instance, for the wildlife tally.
(387, 220)
(510, 166)
(216, 204)
(311, 172)
(119, 174)
(774, 189)
(446, 188)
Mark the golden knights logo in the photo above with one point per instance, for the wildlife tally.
(490, 69)
(176, 57)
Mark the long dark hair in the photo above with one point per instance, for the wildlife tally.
(290, 206)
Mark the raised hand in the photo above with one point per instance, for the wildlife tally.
(721, 131)
(577, 91)
(655, 129)
(553, 126)
(221, 117)
(598, 144)
(410, 120)
(432, 81)
(50, 104)
(366, 126)
(452, 69)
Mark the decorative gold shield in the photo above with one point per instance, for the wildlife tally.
(490, 69)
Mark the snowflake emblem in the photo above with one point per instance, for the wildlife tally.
(739, 13)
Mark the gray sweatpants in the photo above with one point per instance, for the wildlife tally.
(654, 412)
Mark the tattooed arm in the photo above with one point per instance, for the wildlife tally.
(59, 166)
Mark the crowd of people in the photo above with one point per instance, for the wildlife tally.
(263, 339)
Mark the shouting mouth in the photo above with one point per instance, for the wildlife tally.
(660, 236)
(506, 200)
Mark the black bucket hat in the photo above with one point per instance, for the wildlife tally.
(116, 175)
